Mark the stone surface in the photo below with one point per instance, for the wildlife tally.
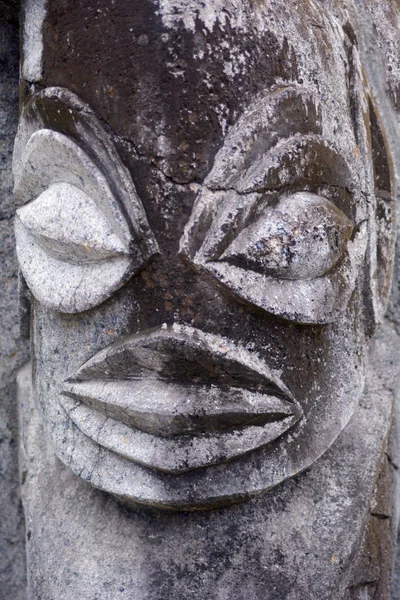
(32, 46)
(252, 159)
(395, 592)
(309, 538)
(206, 224)
(9, 11)
(75, 228)
(13, 351)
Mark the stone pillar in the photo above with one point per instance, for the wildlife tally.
(206, 230)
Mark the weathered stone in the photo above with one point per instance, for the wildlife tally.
(289, 145)
(13, 352)
(298, 541)
(206, 224)
(9, 11)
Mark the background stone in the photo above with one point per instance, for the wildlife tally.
(13, 351)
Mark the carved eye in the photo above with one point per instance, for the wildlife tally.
(70, 254)
(66, 224)
(75, 243)
(296, 255)
(302, 237)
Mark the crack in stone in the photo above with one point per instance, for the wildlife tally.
(151, 159)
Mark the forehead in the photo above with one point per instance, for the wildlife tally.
(171, 77)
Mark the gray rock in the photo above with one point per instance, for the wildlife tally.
(13, 351)
(206, 225)
(309, 538)
(285, 247)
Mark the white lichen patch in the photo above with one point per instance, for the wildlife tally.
(35, 13)
(189, 11)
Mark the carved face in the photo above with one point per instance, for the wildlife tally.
(208, 241)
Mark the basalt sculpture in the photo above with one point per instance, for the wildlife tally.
(205, 229)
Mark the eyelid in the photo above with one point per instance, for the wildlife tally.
(50, 158)
(285, 113)
(302, 237)
(68, 225)
(306, 158)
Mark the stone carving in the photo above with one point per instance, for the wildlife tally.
(14, 352)
(286, 221)
(268, 236)
(205, 229)
(75, 244)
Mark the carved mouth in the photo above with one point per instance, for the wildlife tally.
(176, 399)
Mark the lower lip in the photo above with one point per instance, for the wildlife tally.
(166, 408)
(176, 439)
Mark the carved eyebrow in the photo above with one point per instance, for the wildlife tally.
(269, 119)
(299, 159)
(62, 113)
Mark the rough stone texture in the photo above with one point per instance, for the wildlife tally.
(395, 592)
(13, 351)
(32, 46)
(383, 18)
(380, 44)
(242, 160)
(308, 539)
(247, 144)
(9, 10)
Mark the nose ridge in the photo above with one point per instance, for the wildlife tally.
(170, 289)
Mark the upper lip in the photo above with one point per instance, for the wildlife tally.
(179, 381)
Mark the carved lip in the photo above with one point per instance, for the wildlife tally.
(175, 391)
